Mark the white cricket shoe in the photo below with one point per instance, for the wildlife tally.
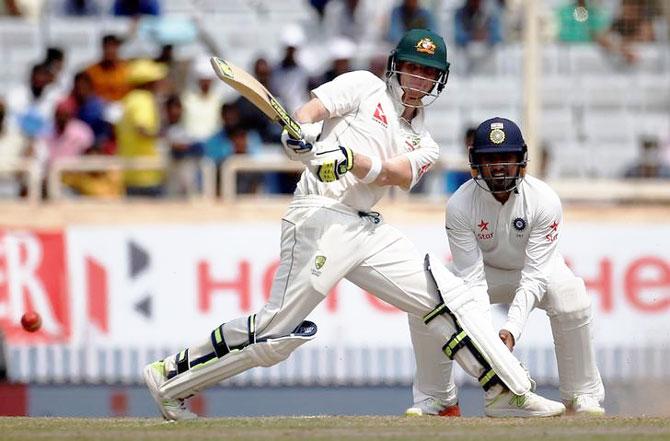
(585, 405)
(507, 404)
(434, 407)
(172, 410)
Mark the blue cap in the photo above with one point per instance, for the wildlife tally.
(498, 135)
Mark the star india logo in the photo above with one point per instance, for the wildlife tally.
(426, 46)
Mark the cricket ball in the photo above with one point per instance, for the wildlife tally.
(31, 321)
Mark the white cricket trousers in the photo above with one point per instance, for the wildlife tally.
(569, 309)
(320, 245)
(322, 242)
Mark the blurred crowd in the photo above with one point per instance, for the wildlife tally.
(165, 107)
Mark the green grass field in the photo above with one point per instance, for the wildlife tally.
(336, 429)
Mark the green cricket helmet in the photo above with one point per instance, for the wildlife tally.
(425, 48)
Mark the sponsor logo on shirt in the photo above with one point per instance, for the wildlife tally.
(483, 231)
(553, 234)
(380, 115)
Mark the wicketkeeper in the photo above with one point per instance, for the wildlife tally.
(503, 228)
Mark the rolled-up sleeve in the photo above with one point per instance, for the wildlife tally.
(422, 158)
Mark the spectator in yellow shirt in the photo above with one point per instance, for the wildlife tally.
(138, 130)
(110, 75)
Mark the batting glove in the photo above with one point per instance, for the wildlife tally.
(331, 165)
(301, 149)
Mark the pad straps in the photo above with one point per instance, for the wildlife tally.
(459, 340)
(219, 342)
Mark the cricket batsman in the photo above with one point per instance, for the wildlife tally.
(503, 228)
(361, 135)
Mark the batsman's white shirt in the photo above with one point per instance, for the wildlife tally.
(364, 117)
(326, 234)
(520, 235)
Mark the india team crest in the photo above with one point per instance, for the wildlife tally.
(497, 136)
(426, 46)
(319, 262)
(519, 224)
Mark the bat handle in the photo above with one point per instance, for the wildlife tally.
(293, 129)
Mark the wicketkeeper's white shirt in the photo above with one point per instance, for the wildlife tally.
(364, 118)
(520, 235)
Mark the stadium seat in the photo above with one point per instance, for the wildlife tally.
(652, 124)
(611, 159)
(494, 94)
(569, 160)
(589, 59)
(652, 59)
(557, 127)
(608, 127)
(20, 41)
(80, 38)
(605, 91)
(557, 92)
(653, 92)
(446, 128)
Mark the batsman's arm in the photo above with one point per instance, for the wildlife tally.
(395, 171)
(404, 170)
(311, 112)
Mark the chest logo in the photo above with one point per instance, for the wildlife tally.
(519, 224)
(380, 116)
(484, 233)
(319, 262)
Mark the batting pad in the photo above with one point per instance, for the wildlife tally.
(264, 353)
(474, 322)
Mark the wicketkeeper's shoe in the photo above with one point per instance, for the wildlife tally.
(506, 404)
(434, 407)
(585, 405)
(172, 410)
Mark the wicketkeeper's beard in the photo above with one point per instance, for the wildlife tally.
(498, 183)
(503, 184)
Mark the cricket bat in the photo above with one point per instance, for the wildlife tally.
(250, 88)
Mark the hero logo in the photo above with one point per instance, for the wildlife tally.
(484, 233)
(33, 276)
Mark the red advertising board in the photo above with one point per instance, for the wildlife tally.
(33, 277)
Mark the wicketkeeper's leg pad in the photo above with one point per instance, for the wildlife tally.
(474, 344)
(227, 362)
